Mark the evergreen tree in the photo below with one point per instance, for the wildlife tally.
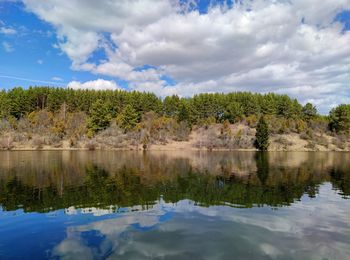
(269, 104)
(18, 102)
(100, 116)
(183, 113)
(171, 105)
(262, 135)
(340, 118)
(309, 111)
(128, 118)
(4, 105)
(233, 112)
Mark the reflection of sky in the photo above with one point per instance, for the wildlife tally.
(314, 228)
(311, 229)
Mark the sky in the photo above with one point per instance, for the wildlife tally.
(184, 47)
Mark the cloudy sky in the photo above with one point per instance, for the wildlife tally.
(296, 47)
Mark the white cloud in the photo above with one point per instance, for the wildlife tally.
(56, 78)
(7, 47)
(7, 31)
(98, 84)
(289, 47)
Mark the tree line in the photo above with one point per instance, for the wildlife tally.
(67, 110)
(18, 102)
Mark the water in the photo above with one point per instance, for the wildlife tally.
(157, 205)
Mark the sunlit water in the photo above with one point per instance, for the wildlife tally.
(218, 205)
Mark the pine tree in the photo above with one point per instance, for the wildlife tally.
(171, 105)
(234, 112)
(339, 118)
(183, 113)
(262, 135)
(309, 111)
(128, 118)
(100, 116)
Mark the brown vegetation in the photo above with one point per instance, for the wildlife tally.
(68, 130)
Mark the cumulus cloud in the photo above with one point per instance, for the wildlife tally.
(294, 47)
(98, 84)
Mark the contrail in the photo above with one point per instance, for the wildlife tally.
(33, 80)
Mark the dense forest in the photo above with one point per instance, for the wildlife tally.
(46, 116)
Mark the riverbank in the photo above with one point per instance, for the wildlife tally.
(240, 138)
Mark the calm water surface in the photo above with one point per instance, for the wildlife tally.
(218, 205)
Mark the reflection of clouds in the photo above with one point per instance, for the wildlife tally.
(92, 210)
(111, 228)
(117, 225)
(73, 247)
(313, 229)
(328, 207)
(269, 250)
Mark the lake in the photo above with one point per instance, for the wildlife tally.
(174, 205)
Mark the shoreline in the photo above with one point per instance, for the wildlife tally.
(164, 149)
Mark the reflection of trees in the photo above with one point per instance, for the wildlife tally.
(262, 166)
(341, 181)
(146, 178)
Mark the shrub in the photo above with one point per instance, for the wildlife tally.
(340, 141)
(38, 142)
(304, 136)
(321, 140)
(284, 141)
(311, 145)
(4, 126)
(252, 121)
(91, 145)
(6, 142)
(76, 125)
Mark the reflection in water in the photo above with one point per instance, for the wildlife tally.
(46, 181)
(196, 205)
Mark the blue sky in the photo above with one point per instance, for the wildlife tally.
(299, 48)
(34, 56)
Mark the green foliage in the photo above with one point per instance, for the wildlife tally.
(288, 108)
(128, 118)
(172, 106)
(269, 104)
(100, 116)
(309, 111)
(20, 102)
(200, 109)
(184, 113)
(234, 112)
(4, 105)
(262, 135)
(340, 118)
